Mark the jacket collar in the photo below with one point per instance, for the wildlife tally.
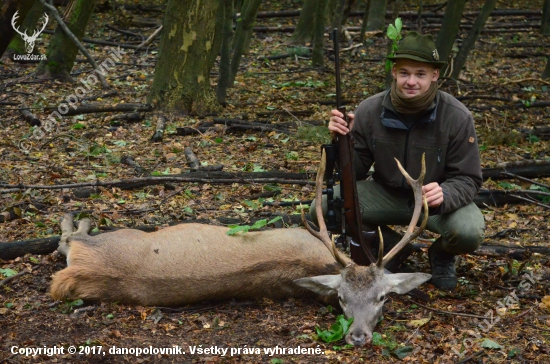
(392, 119)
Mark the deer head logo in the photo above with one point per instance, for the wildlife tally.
(29, 40)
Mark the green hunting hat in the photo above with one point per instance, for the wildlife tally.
(418, 47)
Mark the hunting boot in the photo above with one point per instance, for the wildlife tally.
(391, 238)
(443, 266)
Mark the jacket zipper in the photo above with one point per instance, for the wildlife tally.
(405, 159)
(439, 155)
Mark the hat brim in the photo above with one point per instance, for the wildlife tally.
(436, 64)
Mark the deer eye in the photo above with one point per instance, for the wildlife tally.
(382, 298)
(341, 301)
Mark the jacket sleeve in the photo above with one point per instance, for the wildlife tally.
(463, 169)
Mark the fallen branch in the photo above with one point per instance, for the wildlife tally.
(94, 108)
(29, 116)
(192, 160)
(75, 40)
(200, 177)
(159, 130)
(11, 278)
(149, 40)
(129, 161)
(133, 116)
(495, 250)
(528, 168)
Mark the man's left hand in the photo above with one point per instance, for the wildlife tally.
(433, 193)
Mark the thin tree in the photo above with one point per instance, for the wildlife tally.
(472, 37)
(303, 32)
(243, 34)
(319, 19)
(365, 21)
(182, 74)
(377, 15)
(546, 72)
(62, 50)
(8, 8)
(545, 21)
(226, 17)
(449, 29)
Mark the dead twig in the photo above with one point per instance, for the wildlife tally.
(448, 312)
(11, 278)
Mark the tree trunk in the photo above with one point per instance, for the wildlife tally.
(337, 15)
(242, 35)
(225, 52)
(182, 73)
(377, 15)
(449, 29)
(62, 51)
(546, 72)
(545, 21)
(472, 36)
(365, 21)
(7, 10)
(303, 32)
(318, 56)
(17, 44)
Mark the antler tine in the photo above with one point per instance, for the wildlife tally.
(419, 202)
(323, 233)
(380, 249)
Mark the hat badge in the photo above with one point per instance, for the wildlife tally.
(435, 55)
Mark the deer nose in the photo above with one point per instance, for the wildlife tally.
(358, 338)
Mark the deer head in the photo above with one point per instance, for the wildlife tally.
(29, 40)
(362, 290)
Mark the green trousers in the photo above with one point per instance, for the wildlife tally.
(461, 230)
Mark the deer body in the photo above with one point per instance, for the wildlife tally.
(189, 263)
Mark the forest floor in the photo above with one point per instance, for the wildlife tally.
(503, 70)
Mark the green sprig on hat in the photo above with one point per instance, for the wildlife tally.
(417, 47)
(394, 33)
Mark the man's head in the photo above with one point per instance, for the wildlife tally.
(416, 64)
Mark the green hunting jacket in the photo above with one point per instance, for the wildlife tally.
(445, 132)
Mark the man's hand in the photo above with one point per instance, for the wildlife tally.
(337, 125)
(433, 193)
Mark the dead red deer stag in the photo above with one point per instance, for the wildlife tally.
(189, 263)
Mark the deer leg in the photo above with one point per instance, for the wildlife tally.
(83, 227)
(67, 230)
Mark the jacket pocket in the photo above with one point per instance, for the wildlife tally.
(385, 168)
(436, 154)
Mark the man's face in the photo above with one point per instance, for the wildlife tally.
(413, 78)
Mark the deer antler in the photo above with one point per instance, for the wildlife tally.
(323, 233)
(419, 202)
(16, 28)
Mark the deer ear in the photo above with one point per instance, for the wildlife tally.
(322, 285)
(404, 282)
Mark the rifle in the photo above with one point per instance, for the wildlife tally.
(339, 156)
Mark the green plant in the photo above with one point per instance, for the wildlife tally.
(314, 134)
(337, 330)
(70, 305)
(394, 33)
(390, 345)
(234, 229)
